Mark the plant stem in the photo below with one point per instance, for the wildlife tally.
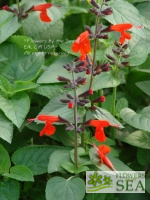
(82, 134)
(78, 2)
(22, 28)
(75, 123)
(114, 101)
(113, 132)
(18, 5)
(94, 53)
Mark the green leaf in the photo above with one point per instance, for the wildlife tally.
(57, 158)
(36, 158)
(64, 189)
(83, 158)
(6, 28)
(23, 42)
(124, 12)
(105, 80)
(133, 196)
(138, 138)
(4, 160)
(93, 196)
(144, 86)
(5, 85)
(139, 121)
(66, 46)
(20, 86)
(103, 114)
(56, 69)
(70, 167)
(138, 50)
(6, 128)
(9, 190)
(135, 76)
(16, 108)
(76, 10)
(147, 185)
(11, 52)
(143, 156)
(118, 164)
(49, 91)
(24, 69)
(121, 103)
(144, 9)
(107, 104)
(108, 141)
(20, 173)
(55, 107)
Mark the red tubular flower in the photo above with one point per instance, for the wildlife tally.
(43, 11)
(48, 129)
(82, 45)
(102, 150)
(122, 29)
(99, 124)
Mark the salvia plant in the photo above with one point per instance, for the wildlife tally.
(74, 96)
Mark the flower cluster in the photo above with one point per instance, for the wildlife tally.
(22, 14)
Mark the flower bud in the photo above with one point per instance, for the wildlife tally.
(7, 8)
(99, 99)
(76, 59)
(86, 93)
(82, 81)
(93, 108)
(105, 67)
(102, 36)
(88, 72)
(63, 79)
(125, 46)
(80, 64)
(107, 11)
(90, 91)
(125, 63)
(70, 105)
(110, 57)
(81, 103)
(93, 10)
(126, 56)
(69, 96)
(93, 2)
(88, 29)
(116, 51)
(65, 100)
(63, 120)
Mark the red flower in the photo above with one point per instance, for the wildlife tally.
(82, 45)
(43, 11)
(99, 124)
(102, 150)
(48, 129)
(122, 29)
